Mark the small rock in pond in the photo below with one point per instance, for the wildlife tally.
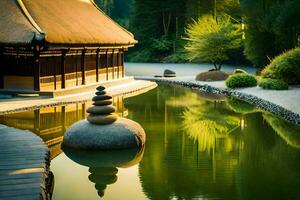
(169, 73)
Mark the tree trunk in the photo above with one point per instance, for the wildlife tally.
(166, 22)
(216, 66)
(220, 66)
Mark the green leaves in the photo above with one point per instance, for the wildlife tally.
(272, 27)
(273, 84)
(211, 40)
(241, 80)
(285, 67)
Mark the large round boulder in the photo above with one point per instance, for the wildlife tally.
(212, 76)
(121, 134)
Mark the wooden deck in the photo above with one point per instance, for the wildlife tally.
(24, 165)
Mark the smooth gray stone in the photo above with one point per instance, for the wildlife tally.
(101, 97)
(122, 134)
(169, 73)
(100, 88)
(101, 110)
(102, 119)
(100, 93)
(102, 103)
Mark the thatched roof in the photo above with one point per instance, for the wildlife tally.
(59, 22)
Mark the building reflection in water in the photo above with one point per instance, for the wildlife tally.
(51, 123)
(103, 165)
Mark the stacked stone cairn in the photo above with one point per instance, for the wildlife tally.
(102, 111)
(103, 130)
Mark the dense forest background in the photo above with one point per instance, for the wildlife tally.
(269, 27)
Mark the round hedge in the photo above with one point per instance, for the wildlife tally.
(285, 67)
(241, 80)
(273, 84)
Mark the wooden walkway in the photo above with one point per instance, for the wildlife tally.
(24, 165)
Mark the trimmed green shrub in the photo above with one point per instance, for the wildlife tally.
(273, 84)
(241, 80)
(239, 71)
(285, 67)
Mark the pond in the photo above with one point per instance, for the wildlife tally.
(199, 146)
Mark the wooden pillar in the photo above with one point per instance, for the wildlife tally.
(118, 64)
(55, 73)
(63, 69)
(36, 70)
(83, 66)
(83, 111)
(112, 64)
(107, 63)
(97, 64)
(2, 65)
(63, 118)
(122, 64)
(1, 79)
(37, 121)
(76, 61)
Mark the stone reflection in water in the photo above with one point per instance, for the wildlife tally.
(103, 165)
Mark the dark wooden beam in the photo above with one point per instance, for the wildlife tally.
(118, 64)
(1, 80)
(63, 118)
(97, 64)
(76, 61)
(122, 64)
(107, 63)
(112, 64)
(37, 70)
(63, 69)
(83, 66)
(37, 120)
(54, 75)
(2, 65)
(83, 111)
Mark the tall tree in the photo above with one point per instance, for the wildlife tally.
(272, 26)
(211, 40)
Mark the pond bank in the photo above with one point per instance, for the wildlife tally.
(24, 166)
(14, 105)
(282, 103)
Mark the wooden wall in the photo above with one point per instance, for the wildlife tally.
(60, 68)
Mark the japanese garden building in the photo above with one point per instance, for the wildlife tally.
(50, 45)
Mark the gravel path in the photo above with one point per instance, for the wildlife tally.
(288, 99)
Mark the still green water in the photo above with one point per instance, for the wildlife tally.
(199, 146)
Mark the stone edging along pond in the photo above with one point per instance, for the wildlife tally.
(260, 103)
